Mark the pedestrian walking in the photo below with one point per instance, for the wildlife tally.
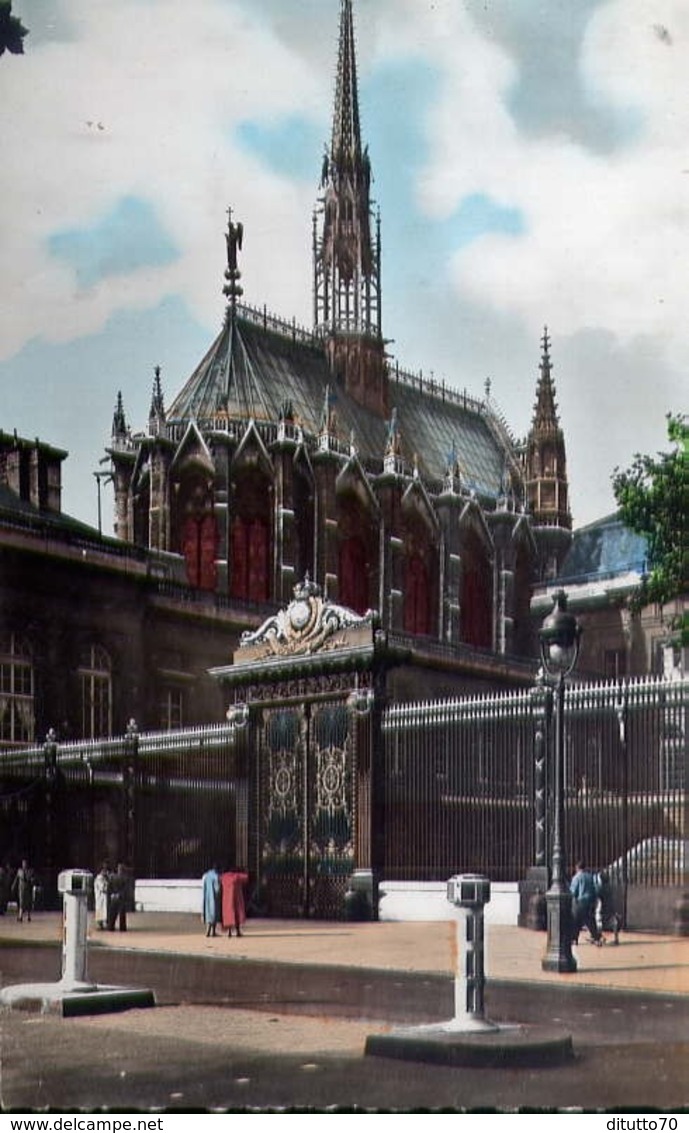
(607, 917)
(23, 888)
(101, 894)
(584, 897)
(211, 900)
(117, 899)
(233, 907)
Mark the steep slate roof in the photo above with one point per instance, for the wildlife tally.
(251, 371)
(604, 549)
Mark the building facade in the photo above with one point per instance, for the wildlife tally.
(293, 452)
(601, 571)
(289, 454)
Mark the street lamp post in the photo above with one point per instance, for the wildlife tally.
(559, 636)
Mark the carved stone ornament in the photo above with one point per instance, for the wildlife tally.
(307, 625)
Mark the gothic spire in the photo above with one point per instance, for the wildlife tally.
(345, 147)
(347, 288)
(545, 458)
(545, 409)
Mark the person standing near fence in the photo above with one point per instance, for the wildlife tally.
(233, 908)
(211, 900)
(117, 902)
(584, 897)
(23, 887)
(101, 894)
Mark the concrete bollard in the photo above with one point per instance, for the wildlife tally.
(75, 886)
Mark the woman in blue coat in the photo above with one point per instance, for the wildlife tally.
(211, 900)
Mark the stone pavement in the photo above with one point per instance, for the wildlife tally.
(641, 962)
(280, 1018)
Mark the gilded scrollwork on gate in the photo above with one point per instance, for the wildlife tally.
(331, 824)
(282, 844)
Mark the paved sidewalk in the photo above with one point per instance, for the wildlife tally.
(252, 1033)
(642, 962)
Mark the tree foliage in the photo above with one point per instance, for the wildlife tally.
(653, 498)
(12, 31)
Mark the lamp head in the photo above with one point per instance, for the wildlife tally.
(559, 637)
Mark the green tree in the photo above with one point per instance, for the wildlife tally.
(11, 30)
(653, 498)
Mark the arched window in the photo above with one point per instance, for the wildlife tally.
(477, 595)
(417, 597)
(17, 720)
(95, 679)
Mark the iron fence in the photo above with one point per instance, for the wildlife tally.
(166, 803)
(465, 787)
(467, 784)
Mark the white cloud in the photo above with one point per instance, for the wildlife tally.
(606, 234)
(606, 240)
(143, 103)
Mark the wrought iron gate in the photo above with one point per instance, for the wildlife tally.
(305, 808)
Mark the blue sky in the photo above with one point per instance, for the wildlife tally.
(529, 164)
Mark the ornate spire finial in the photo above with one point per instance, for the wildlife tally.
(545, 459)
(345, 147)
(392, 441)
(545, 411)
(452, 482)
(328, 416)
(545, 346)
(119, 422)
(233, 239)
(156, 415)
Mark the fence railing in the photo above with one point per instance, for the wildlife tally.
(467, 784)
(465, 781)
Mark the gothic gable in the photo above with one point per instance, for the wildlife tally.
(252, 453)
(192, 451)
(416, 503)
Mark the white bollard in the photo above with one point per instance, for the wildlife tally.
(470, 893)
(75, 886)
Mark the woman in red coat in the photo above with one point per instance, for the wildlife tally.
(233, 910)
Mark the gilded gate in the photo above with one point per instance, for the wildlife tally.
(306, 808)
(302, 686)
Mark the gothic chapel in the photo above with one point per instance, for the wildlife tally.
(291, 452)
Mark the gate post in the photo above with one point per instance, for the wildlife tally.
(51, 809)
(378, 787)
(130, 775)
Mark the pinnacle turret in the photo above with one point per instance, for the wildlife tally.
(545, 468)
(156, 414)
(545, 410)
(119, 422)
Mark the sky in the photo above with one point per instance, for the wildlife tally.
(530, 162)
